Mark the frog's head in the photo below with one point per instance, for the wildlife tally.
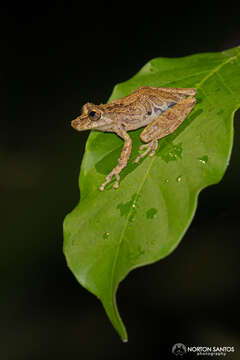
(92, 117)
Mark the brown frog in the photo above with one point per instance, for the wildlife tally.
(160, 109)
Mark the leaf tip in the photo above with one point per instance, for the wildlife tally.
(110, 306)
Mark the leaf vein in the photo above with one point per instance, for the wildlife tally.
(185, 77)
(215, 70)
(127, 220)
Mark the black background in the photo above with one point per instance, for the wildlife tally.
(53, 60)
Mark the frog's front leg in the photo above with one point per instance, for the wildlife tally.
(164, 125)
(122, 161)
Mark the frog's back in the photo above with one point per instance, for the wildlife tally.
(176, 94)
(145, 93)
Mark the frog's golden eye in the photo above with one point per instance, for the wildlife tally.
(94, 115)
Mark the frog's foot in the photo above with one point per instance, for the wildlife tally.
(151, 146)
(114, 172)
(122, 161)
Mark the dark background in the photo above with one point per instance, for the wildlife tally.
(53, 60)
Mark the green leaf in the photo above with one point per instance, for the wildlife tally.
(110, 233)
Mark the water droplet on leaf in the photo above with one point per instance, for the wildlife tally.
(203, 159)
(106, 235)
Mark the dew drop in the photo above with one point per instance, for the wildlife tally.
(203, 160)
(179, 179)
(106, 235)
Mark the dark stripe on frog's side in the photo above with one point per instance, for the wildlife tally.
(171, 104)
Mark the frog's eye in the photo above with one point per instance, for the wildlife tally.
(94, 115)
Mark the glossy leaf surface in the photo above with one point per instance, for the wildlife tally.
(110, 233)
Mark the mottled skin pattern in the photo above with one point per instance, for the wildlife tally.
(161, 110)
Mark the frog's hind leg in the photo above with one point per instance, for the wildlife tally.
(164, 125)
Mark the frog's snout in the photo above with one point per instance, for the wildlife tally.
(75, 123)
(80, 123)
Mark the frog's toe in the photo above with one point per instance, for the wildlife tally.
(143, 146)
(152, 153)
(102, 187)
(151, 146)
(109, 178)
(116, 185)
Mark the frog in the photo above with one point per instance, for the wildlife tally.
(160, 110)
